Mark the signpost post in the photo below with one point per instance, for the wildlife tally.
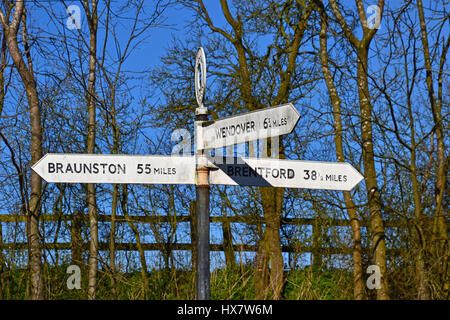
(153, 169)
(202, 185)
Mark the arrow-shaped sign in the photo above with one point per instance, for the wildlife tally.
(155, 169)
(285, 173)
(259, 124)
(112, 168)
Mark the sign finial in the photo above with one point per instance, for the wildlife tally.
(200, 81)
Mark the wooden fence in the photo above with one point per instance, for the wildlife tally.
(76, 245)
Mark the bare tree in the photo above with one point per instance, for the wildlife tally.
(92, 18)
(440, 234)
(374, 201)
(24, 65)
(358, 281)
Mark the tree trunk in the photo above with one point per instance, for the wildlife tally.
(270, 277)
(112, 243)
(423, 292)
(374, 200)
(358, 280)
(440, 229)
(439, 243)
(138, 241)
(91, 14)
(262, 270)
(27, 75)
(3, 49)
(2, 103)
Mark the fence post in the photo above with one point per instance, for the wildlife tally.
(228, 244)
(75, 233)
(317, 234)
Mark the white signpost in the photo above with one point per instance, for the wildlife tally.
(250, 126)
(134, 169)
(155, 169)
(113, 168)
(285, 173)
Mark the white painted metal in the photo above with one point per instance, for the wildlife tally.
(285, 173)
(259, 124)
(200, 80)
(133, 169)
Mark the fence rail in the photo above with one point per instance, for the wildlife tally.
(8, 218)
(316, 249)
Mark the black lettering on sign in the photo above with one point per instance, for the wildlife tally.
(275, 173)
(140, 168)
(112, 168)
(235, 129)
(290, 173)
(274, 123)
(86, 168)
(336, 177)
(77, 169)
(264, 172)
(103, 167)
(164, 171)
